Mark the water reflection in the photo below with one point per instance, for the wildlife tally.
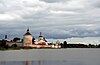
(33, 63)
(28, 62)
(40, 63)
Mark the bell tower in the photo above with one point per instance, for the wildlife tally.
(27, 39)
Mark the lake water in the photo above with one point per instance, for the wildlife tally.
(69, 56)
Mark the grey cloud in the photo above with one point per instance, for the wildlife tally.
(55, 18)
(49, 30)
(52, 1)
(95, 3)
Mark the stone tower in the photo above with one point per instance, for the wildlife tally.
(27, 39)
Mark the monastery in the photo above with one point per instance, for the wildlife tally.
(30, 42)
(40, 43)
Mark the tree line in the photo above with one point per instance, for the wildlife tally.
(66, 45)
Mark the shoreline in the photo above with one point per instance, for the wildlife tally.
(45, 49)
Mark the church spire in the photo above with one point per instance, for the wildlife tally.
(5, 36)
(28, 29)
(40, 34)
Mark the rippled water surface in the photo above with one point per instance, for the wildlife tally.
(69, 56)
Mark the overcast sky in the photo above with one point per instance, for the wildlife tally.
(55, 18)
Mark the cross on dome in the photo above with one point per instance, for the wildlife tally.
(28, 29)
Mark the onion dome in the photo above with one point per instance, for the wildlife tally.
(28, 33)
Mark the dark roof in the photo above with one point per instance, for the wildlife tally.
(40, 36)
(27, 33)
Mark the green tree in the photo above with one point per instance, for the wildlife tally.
(65, 44)
(33, 40)
(14, 45)
(16, 39)
(3, 43)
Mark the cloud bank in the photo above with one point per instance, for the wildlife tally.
(55, 18)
